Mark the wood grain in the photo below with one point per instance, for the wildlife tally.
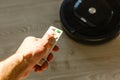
(21, 18)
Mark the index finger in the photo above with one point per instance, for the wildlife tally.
(48, 37)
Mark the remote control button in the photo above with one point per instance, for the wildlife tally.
(53, 29)
(58, 31)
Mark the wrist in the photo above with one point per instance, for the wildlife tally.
(13, 67)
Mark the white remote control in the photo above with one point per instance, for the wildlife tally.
(57, 34)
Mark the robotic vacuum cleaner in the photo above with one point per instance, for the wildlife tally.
(90, 21)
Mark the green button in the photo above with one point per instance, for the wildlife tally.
(58, 31)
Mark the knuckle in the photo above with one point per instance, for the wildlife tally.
(30, 38)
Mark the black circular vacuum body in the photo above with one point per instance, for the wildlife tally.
(90, 21)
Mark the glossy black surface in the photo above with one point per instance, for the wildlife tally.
(90, 21)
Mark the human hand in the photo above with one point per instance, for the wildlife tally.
(33, 50)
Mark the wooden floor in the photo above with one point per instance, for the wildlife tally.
(21, 18)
